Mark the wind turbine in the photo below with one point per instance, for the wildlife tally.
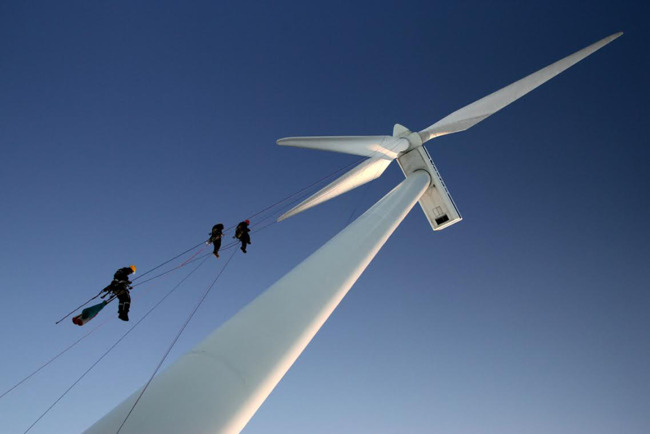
(218, 385)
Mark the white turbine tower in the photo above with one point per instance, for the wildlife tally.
(220, 384)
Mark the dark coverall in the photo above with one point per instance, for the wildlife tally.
(241, 233)
(215, 238)
(120, 287)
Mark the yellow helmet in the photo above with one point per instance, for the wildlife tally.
(133, 268)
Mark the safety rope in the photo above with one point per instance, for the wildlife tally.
(306, 188)
(114, 345)
(268, 208)
(167, 261)
(187, 261)
(277, 213)
(178, 335)
(69, 347)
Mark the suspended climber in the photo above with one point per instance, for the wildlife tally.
(215, 238)
(120, 286)
(241, 233)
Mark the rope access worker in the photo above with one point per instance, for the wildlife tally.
(241, 233)
(120, 286)
(215, 238)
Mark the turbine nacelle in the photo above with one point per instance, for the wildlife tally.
(406, 146)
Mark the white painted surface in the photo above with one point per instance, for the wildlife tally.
(475, 112)
(367, 146)
(365, 172)
(220, 384)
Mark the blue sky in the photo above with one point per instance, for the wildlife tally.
(127, 129)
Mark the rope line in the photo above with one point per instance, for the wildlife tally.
(54, 358)
(168, 261)
(231, 227)
(274, 215)
(188, 261)
(114, 345)
(178, 335)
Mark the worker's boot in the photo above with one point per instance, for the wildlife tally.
(123, 311)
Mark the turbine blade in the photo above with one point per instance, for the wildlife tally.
(365, 172)
(475, 112)
(366, 146)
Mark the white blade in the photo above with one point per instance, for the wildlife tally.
(361, 174)
(366, 146)
(474, 113)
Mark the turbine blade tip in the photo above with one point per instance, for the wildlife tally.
(286, 215)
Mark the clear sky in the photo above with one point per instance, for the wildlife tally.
(127, 129)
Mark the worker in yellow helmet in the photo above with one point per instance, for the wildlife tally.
(120, 286)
